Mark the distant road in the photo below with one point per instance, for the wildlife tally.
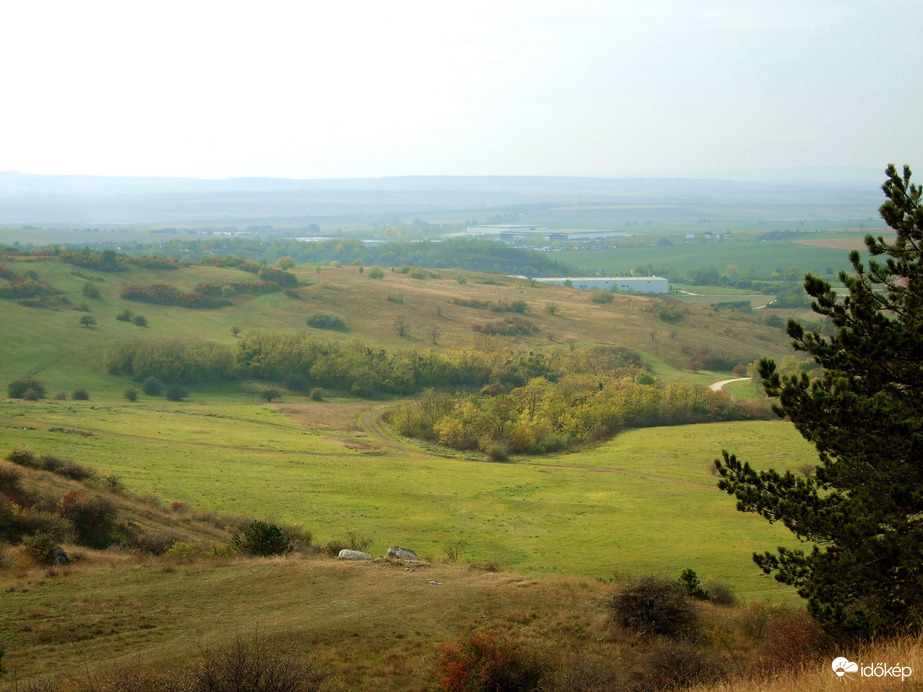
(718, 386)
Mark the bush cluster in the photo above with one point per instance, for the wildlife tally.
(26, 388)
(52, 464)
(326, 320)
(653, 605)
(510, 326)
(237, 288)
(164, 294)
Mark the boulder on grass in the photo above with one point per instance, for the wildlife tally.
(347, 554)
(395, 552)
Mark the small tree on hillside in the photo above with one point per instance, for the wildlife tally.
(262, 538)
(88, 321)
(864, 412)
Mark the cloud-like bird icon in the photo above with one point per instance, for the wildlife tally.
(841, 666)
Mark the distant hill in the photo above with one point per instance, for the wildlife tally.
(75, 200)
(437, 309)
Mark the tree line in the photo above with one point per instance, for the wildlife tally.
(301, 361)
(546, 416)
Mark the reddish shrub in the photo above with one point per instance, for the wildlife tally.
(793, 639)
(484, 663)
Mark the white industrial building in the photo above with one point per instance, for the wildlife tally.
(630, 284)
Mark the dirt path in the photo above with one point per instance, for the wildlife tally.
(719, 386)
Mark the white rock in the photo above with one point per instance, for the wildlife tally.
(347, 554)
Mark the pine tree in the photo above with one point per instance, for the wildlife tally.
(862, 509)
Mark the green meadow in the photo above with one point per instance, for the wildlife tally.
(643, 502)
(751, 256)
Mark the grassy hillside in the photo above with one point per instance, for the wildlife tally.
(643, 502)
(53, 344)
(116, 622)
(332, 467)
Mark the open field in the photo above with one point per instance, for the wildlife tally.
(814, 255)
(628, 505)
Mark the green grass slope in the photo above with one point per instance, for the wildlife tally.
(53, 345)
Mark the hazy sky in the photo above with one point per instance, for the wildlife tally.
(313, 89)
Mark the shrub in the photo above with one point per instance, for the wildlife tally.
(180, 551)
(61, 396)
(357, 541)
(124, 316)
(32, 395)
(376, 273)
(18, 389)
(112, 483)
(669, 310)
(10, 481)
(495, 450)
(353, 541)
(40, 547)
(152, 386)
(484, 663)
(175, 392)
(454, 550)
(678, 665)
(793, 639)
(88, 321)
(269, 393)
(510, 326)
(472, 303)
(316, 394)
(93, 517)
(80, 395)
(140, 320)
(17, 521)
(262, 538)
(23, 457)
(720, 591)
(601, 297)
(256, 664)
(689, 581)
(279, 276)
(131, 394)
(653, 605)
(90, 290)
(333, 548)
(65, 467)
(323, 320)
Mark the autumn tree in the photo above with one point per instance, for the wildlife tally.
(859, 514)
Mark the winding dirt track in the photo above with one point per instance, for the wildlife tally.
(719, 386)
